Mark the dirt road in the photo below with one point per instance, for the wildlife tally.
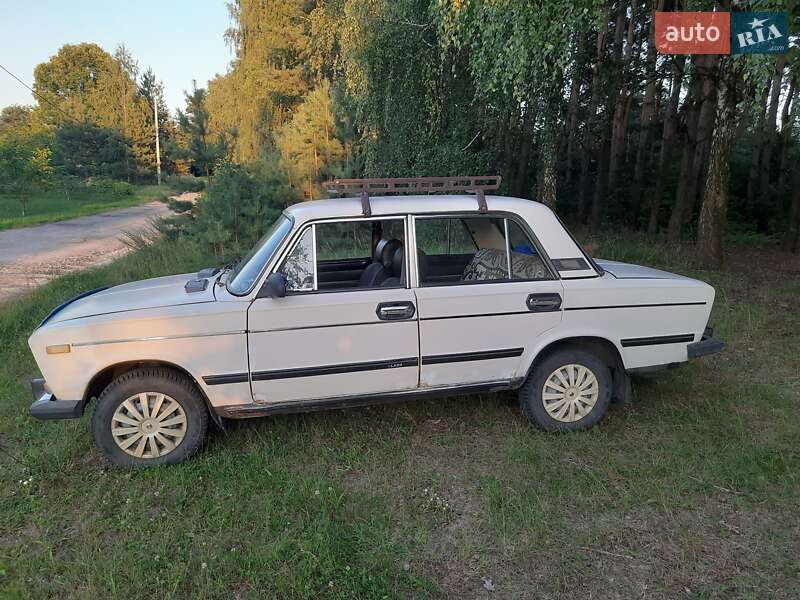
(32, 256)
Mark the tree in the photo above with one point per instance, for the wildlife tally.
(23, 170)
(199, 145)
(268, 78)
(152, 91)
(67, 84)
(85, 150)
(15, 120)
(240, 204)
(309, 147)
(713, 213)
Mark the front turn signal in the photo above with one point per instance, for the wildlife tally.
(59, 349)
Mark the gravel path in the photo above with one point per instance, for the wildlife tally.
(32, 256)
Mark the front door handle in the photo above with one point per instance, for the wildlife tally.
(395, 311)
(544, 302)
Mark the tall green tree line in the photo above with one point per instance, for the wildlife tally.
(567, 100)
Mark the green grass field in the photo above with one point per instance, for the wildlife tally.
(689, 491)
(53, 205)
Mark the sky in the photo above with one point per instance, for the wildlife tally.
(180, 39)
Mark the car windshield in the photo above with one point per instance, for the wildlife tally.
(246, 272)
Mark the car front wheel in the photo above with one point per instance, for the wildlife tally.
(149, 416)
(569, 390)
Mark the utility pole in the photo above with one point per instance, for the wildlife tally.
(158, 145)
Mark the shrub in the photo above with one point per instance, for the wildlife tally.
(109, 187)
(239, 206)
(184, 183)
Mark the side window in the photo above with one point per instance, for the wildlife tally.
(444, 236)
(344, 240)
(342, 255)
(475, 249)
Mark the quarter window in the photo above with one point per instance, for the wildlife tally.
(475, 249)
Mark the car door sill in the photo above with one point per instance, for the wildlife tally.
(244, 411)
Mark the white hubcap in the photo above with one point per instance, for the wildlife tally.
(570, 393)
(148, 425)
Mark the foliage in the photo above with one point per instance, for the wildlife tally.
(15, 120)
(310, 149)
(196, 141)
(86, 150)
(24, 170)
(84, 84)
(183, 183)
(268, 78)
(239, 206)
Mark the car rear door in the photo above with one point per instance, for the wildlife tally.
(330, 337)
(478, 324)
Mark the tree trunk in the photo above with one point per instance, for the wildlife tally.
(705, 135)
(588, 143)
(791, 242)
(646, 125)
(692, 112)
(763, 201)
(713, 213)
(623, 96)
(666, 153)
(787, 122)
(547, 167)
(572, 116)
(758, 144)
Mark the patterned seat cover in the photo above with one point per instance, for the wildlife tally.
(489, 264)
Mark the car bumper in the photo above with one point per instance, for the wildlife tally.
(46, 406)
(707, 345)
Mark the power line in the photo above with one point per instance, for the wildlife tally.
(39, 96)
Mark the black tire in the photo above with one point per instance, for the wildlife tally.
(161, 381)
(530, 395)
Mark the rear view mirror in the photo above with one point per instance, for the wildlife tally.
(274, 286)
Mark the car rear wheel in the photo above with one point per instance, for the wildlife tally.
(149, 416)
(569, 390)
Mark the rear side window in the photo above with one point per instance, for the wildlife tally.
(476, 249)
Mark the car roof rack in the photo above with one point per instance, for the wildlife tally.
(418, 185)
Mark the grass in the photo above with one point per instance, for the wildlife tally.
(689, 491)
(53, 205)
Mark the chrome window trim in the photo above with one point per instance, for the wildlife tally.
(508, 249)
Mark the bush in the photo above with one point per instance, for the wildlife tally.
(109, 187)
(183, 183)
(86, 150)
(239, 206)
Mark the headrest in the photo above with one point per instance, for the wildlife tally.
(387, 255)
(377, 255)
(398, 263)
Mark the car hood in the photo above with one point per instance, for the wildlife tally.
(622, 270)
(137, 295)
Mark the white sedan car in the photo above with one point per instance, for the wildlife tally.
(359, 301)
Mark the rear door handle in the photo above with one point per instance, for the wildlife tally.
(543, 302)
(395, 311)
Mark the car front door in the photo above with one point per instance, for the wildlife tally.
(348, 324)
(485, 293)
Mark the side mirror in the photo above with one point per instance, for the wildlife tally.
(274, 286)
